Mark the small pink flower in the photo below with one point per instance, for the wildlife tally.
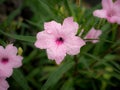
(9, 60)
(60, 40)
(93, 34)
(3, 84)
(110, 11)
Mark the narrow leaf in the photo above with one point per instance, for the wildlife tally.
(20, 37)
(19, 78)
(57, 74)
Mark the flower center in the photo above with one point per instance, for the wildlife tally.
(59, 40)
(111, 13)
(4, 60)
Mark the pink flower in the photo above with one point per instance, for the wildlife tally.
(110, 11)
(9, 60)
(60, 40)
(93, 34)
(3, 84)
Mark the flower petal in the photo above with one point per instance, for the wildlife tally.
(1, 48)
(69, 26)
(116, 8)
(6, 71)
(100, 13)
(12, 49)
(57, 53)
(93, 34)
(74, 44)
(52, 26)
(44, 40)
(114, 19)
(3, 84)
(107, 4)
(97, 34)
(16, 61)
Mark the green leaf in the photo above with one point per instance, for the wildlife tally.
(68, 85)
(30, 57)
(20, 79)
(93, 57)
(11, 17)
(57, 74)
(2, 42)
(20, 37)
(1, 1)
(47, 9)
(70, 8)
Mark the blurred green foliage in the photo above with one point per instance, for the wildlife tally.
(97, 67)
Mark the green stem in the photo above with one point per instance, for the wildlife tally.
(76, 65)
(101, 22)
(103, 86)
(114, 31)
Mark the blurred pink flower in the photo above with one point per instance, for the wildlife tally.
(60, 40)
(9, 60)
(3, 84)
(93, 34)
(110, 11)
